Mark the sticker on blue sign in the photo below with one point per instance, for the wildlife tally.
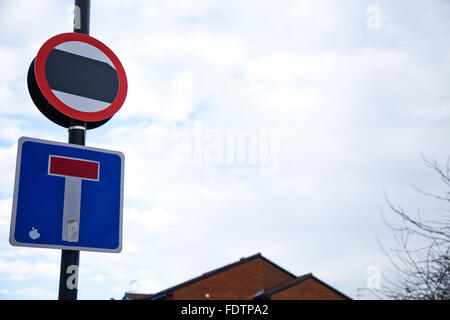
(67, 196)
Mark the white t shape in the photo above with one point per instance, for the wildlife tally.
(74, 171)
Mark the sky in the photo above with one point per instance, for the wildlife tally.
(250, 126)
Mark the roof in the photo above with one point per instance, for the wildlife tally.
(259, 295)
(137, 296)
(168, 292)
(289, 284)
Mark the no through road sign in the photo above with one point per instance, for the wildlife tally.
(77, 77)
(67, 196)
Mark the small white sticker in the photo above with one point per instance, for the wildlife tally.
(72, 231)
(34, 234)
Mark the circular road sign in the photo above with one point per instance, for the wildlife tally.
(74, 78)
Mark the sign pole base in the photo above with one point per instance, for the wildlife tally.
(68, 279)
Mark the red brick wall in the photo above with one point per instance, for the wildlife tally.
(240, 282)
(245, 280)
(309, 289)
(273, 276)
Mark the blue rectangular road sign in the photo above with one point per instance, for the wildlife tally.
(67, 196)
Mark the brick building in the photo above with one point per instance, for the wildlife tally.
(249, 278)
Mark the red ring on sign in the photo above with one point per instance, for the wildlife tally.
(39, 71)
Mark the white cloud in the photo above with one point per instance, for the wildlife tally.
(7, 165)
(28, 293)
(354, 108)
(20, 270)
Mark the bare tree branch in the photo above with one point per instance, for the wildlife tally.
(420, 271)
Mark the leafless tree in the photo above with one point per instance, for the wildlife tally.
(421, 257)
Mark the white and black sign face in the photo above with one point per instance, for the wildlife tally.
(80, 77)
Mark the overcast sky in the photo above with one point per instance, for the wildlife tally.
(338, 101)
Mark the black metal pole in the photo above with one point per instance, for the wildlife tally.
(70, 259)
(82, 22)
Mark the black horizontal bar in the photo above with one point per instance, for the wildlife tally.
(81, 76)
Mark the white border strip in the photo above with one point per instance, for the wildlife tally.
(85, 50)
(80, 103)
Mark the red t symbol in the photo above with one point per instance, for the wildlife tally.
(74, 171)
